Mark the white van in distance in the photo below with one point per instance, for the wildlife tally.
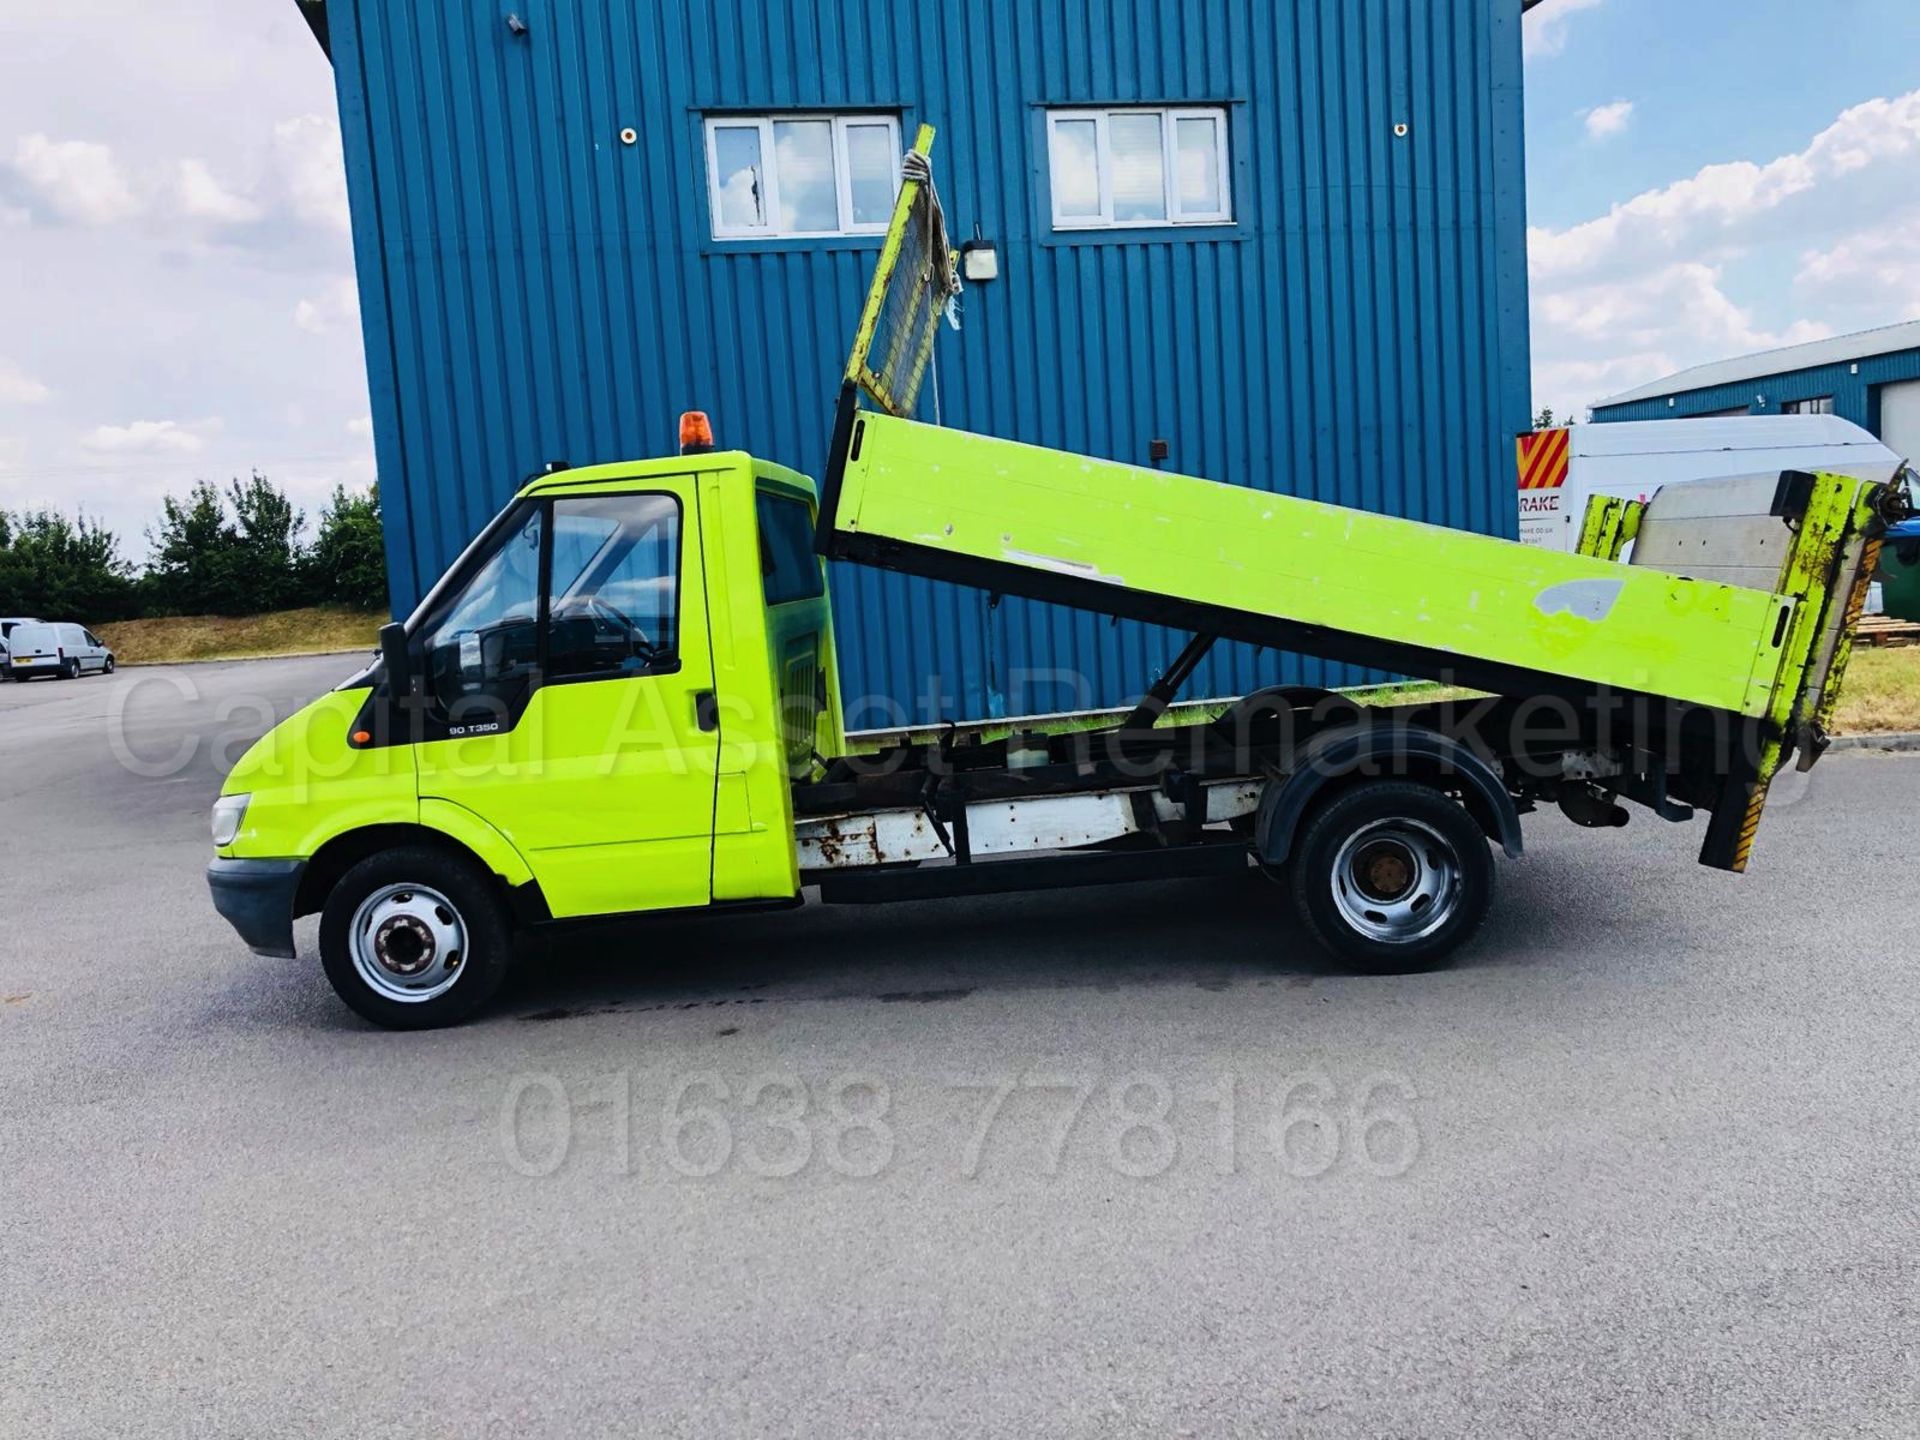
(64, 650)
(1561, 469)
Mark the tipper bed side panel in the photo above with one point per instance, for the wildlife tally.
(1332, 581)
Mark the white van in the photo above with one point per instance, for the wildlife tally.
(64, 650)
(1561, 469)
(7, 626)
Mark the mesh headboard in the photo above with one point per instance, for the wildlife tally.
(911, 287)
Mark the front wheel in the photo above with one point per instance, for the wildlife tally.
(107, 669)
(414, 938)
(1392, 876)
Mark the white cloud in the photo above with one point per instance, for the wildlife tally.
(1702, 209)
(19, 388)
(311, 170)
(1606, 121)
(1544, 31)
(1655, 310)
(298, 173)
(1591, 341)
(1881, 262)
(1699, 270)
(147, 437)
(77, 180)
(361, 427)
(202, 197)
(336, 306)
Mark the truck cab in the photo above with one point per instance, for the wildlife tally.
(603, 705)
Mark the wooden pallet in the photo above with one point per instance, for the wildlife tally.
(1884, 630)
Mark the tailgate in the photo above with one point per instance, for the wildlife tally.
(1811, 540)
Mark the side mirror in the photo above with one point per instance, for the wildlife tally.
(398, 660)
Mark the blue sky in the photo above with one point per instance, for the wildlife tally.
(1710, 80)
(1708, 177)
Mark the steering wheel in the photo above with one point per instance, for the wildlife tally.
(636, 637)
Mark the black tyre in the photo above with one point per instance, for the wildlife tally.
(71, 671)
(1392, 876)
(415, 937)
(108, 669)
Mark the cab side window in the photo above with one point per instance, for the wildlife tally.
(789, 569)
(481, 644)
(613, 603)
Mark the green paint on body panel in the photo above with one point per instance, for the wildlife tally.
(1310, 564)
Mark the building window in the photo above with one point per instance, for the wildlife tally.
(776, 176)
(1821, 405)
(1116, 168)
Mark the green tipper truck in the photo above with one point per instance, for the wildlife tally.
(624, 697)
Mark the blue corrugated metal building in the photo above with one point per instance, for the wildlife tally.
(1871, 378)
(1287, 237)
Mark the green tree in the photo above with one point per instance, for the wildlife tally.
(194, 568)
(238, 553)
(348, 561)
(269, 555)
(63, 569)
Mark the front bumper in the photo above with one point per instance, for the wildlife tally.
(256, 897)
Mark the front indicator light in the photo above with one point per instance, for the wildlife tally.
(228, 812)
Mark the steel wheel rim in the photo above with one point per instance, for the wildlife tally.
(1397, 881)
(408, 943)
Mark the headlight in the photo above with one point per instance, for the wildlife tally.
(228, 812)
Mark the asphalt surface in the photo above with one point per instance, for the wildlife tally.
(1643, 1163)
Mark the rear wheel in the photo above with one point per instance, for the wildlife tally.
(1392, 876)
(415, 937)
(71, 671)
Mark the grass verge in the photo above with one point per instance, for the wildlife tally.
(240, 637)
(1881, 692)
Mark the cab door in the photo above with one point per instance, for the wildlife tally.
(603, 773)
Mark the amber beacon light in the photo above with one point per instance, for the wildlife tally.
(696, 433)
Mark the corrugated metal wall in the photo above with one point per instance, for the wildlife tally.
(532, 288)
(1855, 388)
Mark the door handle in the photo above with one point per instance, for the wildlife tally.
(706, 710)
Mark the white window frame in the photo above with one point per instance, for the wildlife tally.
(1170, 117)
(842, 122)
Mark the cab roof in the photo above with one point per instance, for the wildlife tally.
(621, 471)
